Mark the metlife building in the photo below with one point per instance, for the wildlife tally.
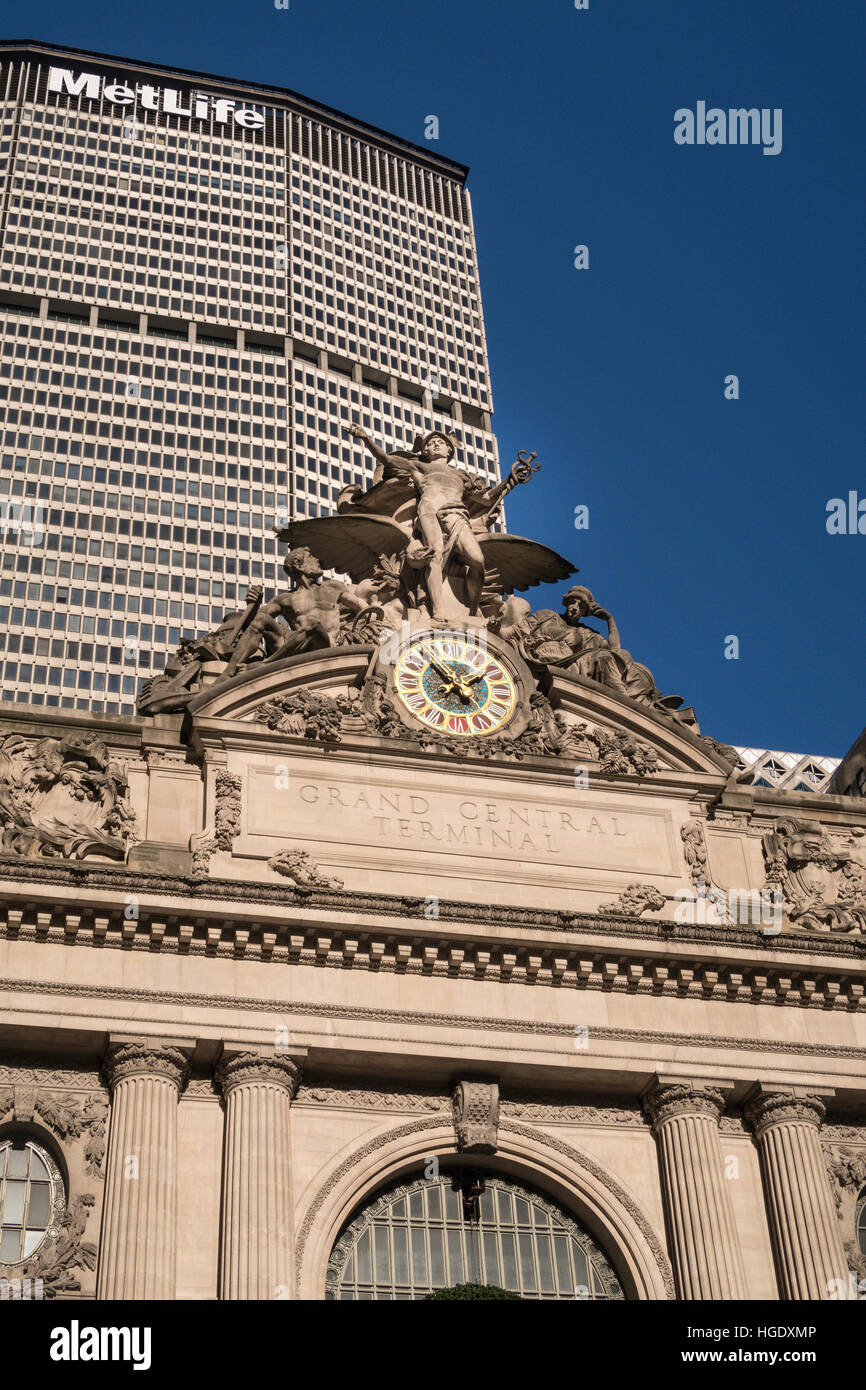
(202, 283)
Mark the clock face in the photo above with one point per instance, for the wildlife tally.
(455, 685)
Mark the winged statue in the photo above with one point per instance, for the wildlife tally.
(437, 519)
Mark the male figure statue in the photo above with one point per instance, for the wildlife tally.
(442, 516)
(312, 610)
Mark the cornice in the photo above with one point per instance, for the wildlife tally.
(510, 955)
(282, 1009)
(17, 873)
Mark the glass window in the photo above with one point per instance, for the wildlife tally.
(860, 1223)
(467, 1228)
(30, 1192)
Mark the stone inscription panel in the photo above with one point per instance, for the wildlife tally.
(396, 813)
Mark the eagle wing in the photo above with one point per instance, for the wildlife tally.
(512, 562)
(349, 544)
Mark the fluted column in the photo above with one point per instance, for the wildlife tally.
(705, 1248)
(256, 1243)
(800, 1209)
(139, 1225)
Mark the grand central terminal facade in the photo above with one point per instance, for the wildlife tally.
(407, 937)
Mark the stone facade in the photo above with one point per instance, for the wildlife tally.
(323, 956)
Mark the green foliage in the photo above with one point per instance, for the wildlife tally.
(472, 1291)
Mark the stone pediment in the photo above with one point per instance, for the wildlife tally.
(340, 695)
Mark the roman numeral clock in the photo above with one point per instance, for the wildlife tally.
(461, 684)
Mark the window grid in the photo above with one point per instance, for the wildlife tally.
(26, 1200)
(416, 1239)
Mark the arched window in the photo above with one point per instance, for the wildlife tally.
(466, 1227)
(31, 1197)
(860, 1223)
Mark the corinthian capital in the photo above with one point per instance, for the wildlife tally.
(667, 1100)
(249, 1068)
(146, 1059)
(779, 1107)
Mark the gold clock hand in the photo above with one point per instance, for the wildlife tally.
(442, 671)
(473, 680)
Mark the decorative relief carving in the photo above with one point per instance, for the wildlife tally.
(732, 1124)
(165, 757)
(62, 1253)
(634, 900)
(723, 750)
(619, 753)
(545, 1109)
(852, 1131)
(70, 1118)
(57, 1078)
(201, 1087)
(847, 1172)
(695, 851)
(68, 1115)
(822, 877)
(548, 734)
(248, 1068)
(63, 797)
(475, 1106)
(781, 1108)
(552, 1111)
(667, 1101)
(25, 1102)
(847, 1169)
(146, 1059)
(306, 714)
(384, 1098)
(297, 865)
(227, 822)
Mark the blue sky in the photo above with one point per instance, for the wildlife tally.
(707, 516)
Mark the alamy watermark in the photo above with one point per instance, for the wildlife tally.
(736, 126)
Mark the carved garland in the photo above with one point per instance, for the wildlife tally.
(634, 900)
(297, 865)
(311, 715)
(68, 1116)
(227, 822)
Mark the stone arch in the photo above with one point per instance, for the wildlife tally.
(597, 1200)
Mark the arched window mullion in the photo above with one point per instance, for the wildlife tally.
(510, 1217)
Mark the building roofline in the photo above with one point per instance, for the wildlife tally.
(450, 167)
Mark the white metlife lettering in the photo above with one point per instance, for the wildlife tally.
(168, 99)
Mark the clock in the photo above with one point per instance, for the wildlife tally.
(453, 683)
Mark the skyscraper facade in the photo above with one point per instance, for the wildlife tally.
(202, 282)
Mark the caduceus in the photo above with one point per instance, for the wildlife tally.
(522, 470)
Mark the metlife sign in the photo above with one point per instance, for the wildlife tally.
(170, 100)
